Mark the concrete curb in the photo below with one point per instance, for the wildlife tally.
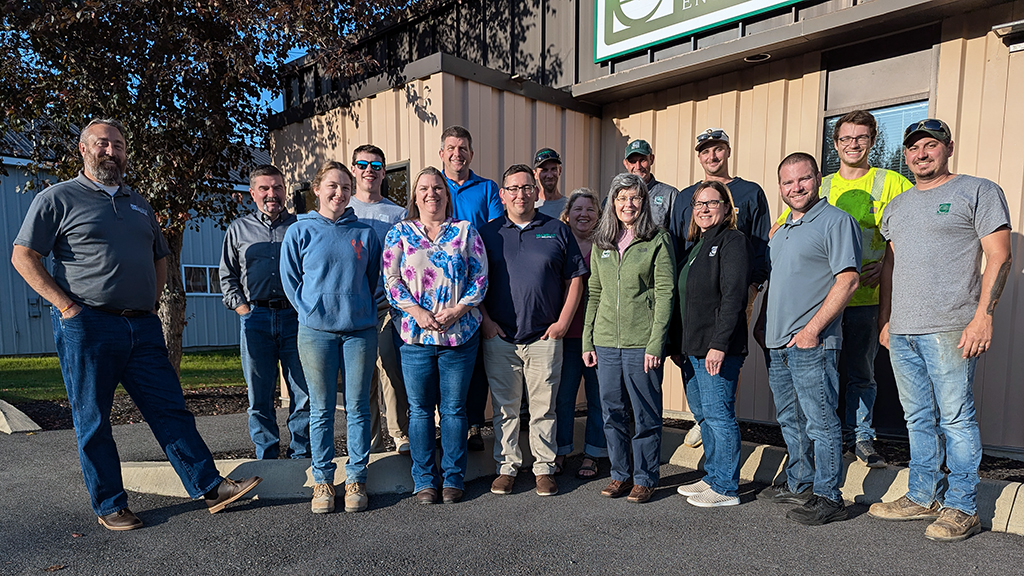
(1000, 503)
(14, 421)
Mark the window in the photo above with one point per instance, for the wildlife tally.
(396, 184)
(888, 149)
(201, 280)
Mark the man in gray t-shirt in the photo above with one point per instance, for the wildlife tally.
(935, 316)
(109, 262)
(815, 265)
(387, 386)
(547, 169)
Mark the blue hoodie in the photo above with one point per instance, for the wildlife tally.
(329, 271)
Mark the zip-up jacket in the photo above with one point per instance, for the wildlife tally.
(630, 303)
(329, 270)
(714, 299)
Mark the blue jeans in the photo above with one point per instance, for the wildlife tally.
(438, 377)
(270, 336)
(565, 403)
(712, 399)
(860, 345)
(323, 355)
(805, 385)
(96, 351)
(936, 384)
(630, 394)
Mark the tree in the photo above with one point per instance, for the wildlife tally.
(185, 77)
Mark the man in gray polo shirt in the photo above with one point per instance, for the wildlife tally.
(387, 385)
(250, 281)
(936, 324)
(108, 271)
(815, 267)
(639, 160)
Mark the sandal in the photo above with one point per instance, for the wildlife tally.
(559, 465)
(587, 472)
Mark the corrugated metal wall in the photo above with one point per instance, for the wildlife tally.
(407, 123)
(25, 325)
(768, 111)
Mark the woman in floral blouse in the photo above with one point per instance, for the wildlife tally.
(435, 273)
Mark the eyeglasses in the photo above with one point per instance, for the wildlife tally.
(700, 204)
(629, 199)
(929, 124)
(710, 135)
(526, 189)
(863, 140)
(363, 165)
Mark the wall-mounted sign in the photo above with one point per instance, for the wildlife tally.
(628, 25)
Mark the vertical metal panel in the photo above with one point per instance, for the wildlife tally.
(208, 321)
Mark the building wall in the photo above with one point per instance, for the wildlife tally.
(25, 325)
(407, 122)
(777, 108)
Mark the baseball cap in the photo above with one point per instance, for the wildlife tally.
(711, 135)
(545, 154)
(637, 147)
(931, 126)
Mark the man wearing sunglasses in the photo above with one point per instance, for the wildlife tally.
(752, 218)
(373, 209)
(547, 169)
(863, 192)
(935, 316)
(639, 160)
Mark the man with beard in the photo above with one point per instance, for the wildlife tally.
(109, 261)
(250, 281)
(547, 169)
(639, 160)
(815, 267)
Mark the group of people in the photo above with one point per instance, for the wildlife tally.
(526, 293)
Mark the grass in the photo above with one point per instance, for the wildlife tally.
(39, 377)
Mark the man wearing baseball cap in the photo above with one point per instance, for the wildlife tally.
(936, 326)
(752, 218)
(547, 168)
(638, 160)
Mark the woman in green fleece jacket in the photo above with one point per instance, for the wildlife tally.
(631, 281)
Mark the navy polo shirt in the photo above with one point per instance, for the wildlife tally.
(527, 271)
(476, 201)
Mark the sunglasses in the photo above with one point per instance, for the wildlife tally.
(363, 165)
(710, 135)
(546, 155)
(929, 124)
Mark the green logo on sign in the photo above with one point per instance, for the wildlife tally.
(943, 209)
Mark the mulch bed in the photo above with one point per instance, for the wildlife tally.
(56, 415)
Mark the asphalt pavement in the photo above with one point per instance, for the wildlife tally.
(46, 524)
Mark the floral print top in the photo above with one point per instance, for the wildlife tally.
(435, 275)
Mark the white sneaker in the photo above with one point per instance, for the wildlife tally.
(693, 488)
(323, 499)
(693, 439)
(402, 445)
(711, 499)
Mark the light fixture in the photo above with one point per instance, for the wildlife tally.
(755, 58)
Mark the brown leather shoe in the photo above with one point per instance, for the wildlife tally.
(546, 485)
(640, 494)
(228, 491)
(503, 484)
(120, 520)
(451, 495)
(426, 496)
(616, 488)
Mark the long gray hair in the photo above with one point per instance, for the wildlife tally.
(606, 235)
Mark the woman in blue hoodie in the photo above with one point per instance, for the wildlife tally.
(330, 263)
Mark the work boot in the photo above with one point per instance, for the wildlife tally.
(355, 497)
(902, 509)
(953, 525)
(817, 511)
(323, 499)
(121, 520)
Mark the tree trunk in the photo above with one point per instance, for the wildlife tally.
(172, 301)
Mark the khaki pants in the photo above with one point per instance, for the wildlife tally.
(508, 366)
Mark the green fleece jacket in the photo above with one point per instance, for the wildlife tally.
(630, 303)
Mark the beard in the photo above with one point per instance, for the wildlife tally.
(104, 173)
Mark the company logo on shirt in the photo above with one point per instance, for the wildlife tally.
(606, 254)
(546, 236)
(357, 245)
(943, 209)
(658, 200)
(140, 209)
(714, 250)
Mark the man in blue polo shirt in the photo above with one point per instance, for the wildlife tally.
(534, 285)
(474, 199)
(815, 269)
(109, 268)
